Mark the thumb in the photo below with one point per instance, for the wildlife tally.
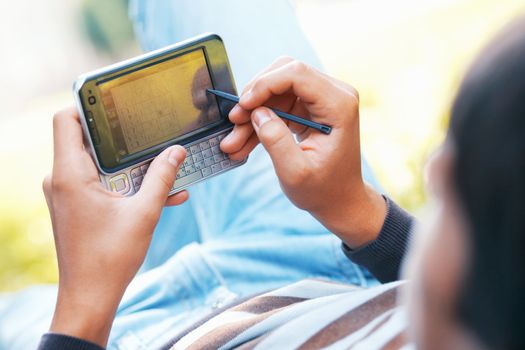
(160, 176)
(278, 140)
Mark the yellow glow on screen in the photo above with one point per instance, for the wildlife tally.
(158, 103)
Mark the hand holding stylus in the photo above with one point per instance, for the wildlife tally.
(321, 173)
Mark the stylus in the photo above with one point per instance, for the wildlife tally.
(325, 129)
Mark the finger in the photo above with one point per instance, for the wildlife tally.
(46, 187)
(288, 159)
(300, 110)
(284, 102)
(160, 178)
(239, 115)
(306, 83)
(281, 61)
(237, 138)
(48, 194)
(177, 198)
(248, 147)
(67, 134)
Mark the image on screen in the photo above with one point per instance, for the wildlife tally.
(161, 102)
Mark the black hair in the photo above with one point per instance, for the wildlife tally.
(487, 129)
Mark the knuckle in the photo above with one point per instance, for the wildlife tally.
(57, 118)
(259, 84)
(298, 67)
(46, 184)
(350, 91)
(62, 115)
(165, 182)
(347, 103)
(60, 184)
(283, 60)
(340, 105)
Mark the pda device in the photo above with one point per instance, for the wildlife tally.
(133, 110)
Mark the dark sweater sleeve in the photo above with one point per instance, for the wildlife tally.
(51, 341)
(383, 256)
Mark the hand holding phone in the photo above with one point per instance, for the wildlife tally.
(321, 173)
(101, 237)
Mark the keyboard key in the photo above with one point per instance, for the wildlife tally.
(197, 157)
(216, 150)
(188, 160)
(206, 172)
(136, 173)
(200, 165)
(207, 153)
(225, 163)
(218, 158)
(204, 145)
(187, 180)
(195, 149)
(208, 161)
(214, 142)
(137, 182)
(190, 169)
(215, 168)
(144, 168)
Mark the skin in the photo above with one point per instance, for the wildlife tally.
(101, 237)
(97, 231)
(436, 264)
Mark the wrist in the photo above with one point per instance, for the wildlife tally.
(357, 219)
(84, 316)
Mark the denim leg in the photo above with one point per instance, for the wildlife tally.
(255, 32)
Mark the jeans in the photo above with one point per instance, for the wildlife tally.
(238, 234)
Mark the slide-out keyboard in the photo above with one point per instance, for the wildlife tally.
(203, 159)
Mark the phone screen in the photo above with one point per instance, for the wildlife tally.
(159, 102)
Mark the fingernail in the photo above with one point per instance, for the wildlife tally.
(235, 109)
(174, 158)
(260, 117)
(228, 137)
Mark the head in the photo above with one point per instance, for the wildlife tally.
(468, 264)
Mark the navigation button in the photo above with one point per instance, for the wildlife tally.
(120, 184)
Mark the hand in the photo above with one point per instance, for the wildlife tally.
(321, 173)
(101, 237)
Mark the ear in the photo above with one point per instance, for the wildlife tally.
(438, 170)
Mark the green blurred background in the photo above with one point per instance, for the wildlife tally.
(405, 57)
